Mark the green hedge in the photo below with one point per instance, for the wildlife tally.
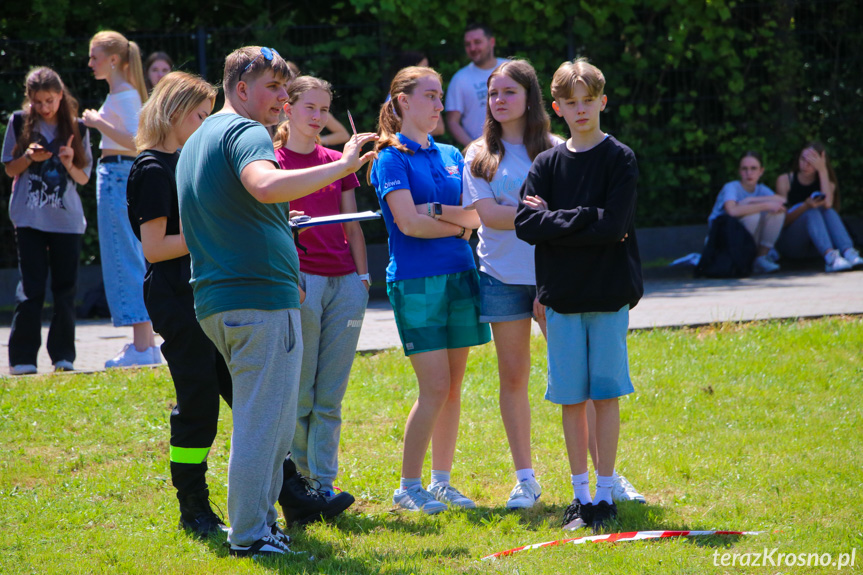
(691, 85)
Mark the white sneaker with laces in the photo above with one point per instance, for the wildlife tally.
(622, 490)
(852, 256)
(446, 493)
(417, 499)
(23, 369)
(157, 355)
(130, 356)
(524, 494)
(834, 262)
(64, 365)
(764, 265)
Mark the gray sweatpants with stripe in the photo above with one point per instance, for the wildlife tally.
(332, 316)
(263, 350)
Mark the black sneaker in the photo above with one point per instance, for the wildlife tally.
(266, 546)
(280, 535)
(197, 517)
(577, 515)
(303, 503)
(603, 514)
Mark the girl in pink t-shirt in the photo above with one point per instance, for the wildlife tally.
(334, 275)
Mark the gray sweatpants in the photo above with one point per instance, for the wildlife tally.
(263, 350)
(332, 316)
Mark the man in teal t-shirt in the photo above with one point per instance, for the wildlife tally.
(234, 212)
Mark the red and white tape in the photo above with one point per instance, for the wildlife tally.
(617, 537)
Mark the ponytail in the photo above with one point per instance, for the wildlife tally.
(390, 117)
(130, 57)
(135, 71)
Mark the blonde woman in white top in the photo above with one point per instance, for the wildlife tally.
(116, 60)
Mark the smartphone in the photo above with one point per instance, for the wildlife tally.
(817, 196)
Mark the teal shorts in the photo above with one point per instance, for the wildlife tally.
(438, 312)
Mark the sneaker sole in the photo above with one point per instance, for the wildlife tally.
(574, 525)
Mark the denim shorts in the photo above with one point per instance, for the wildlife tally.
(500, 301)
(438, 312)
(587, 357)
(123, 264)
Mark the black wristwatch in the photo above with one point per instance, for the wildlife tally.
(437, 210)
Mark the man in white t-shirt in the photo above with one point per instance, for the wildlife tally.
(467, 91)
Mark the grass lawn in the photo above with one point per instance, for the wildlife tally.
(753, 427)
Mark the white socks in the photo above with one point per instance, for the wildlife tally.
(524, 474)
(440, 477)
(407, 483)
(581, 487)
(603, 489)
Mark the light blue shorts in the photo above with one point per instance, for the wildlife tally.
(500, 301)
(123, 264)
(587, 357)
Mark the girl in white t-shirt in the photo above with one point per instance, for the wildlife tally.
(517, 129)
(116, 60)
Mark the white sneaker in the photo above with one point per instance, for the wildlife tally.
(417, 499)
(524, 494)
(773, 255)
(23, 369)
(130, 356)
(622, 490)
(157, 355)
(852, 256)
(64, 365)
(446, 493)
(764, 265)
(834, 262)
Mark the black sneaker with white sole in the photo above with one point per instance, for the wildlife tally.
(266, 546)
(280, 535)
(577, 515)
(603, 514)
(302, 503)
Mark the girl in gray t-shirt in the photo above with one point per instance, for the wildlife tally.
(47, 152)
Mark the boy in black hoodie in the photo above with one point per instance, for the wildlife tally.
(578, 209)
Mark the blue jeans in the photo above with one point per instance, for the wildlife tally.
(123, 263)
(821, 227)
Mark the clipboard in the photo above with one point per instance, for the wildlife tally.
(300, 222)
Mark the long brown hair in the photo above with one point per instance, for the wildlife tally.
(821, 149)
(537, 127)
(113, 43)
(45, 79)
(390, 118)
(298, 87)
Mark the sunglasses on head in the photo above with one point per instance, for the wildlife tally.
(267, 53)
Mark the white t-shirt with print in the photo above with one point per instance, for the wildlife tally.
(501, 254)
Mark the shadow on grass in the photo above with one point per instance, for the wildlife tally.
(311, 556)
(632, 516)
(404, 522)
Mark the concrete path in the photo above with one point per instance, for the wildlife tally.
(667, 302)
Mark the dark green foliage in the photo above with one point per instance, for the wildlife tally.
(691, 85)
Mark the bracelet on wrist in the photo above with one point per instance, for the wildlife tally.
(461, 233)
(365, 277)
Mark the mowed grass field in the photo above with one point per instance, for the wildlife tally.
(745, 427)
